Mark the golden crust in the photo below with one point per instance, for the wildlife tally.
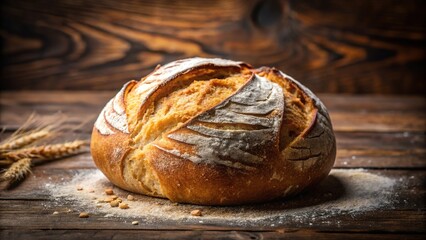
(271, 138)
(108, 152)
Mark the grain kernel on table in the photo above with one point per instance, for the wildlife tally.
(135, 222)
(130, 197)
(123, 205)
(83, 215)
(114, 203)
(109, 191)
(109, 199)
(196, 213)
(55, 213)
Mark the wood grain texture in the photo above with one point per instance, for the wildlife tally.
(331, 46)
(199, 234)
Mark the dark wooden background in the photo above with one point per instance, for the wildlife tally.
(331, 46)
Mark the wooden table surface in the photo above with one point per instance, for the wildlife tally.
(384, 135)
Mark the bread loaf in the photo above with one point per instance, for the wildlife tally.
(214, 132)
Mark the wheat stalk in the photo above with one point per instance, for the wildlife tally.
(17, 170)
(41, 128)
(17, 152)
(24, 139)
(46, 152)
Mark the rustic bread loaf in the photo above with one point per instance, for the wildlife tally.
(214, 132)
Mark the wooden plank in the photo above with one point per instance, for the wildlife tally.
(356, 47)
(374, 103)
(378, 122)
(96, 234)
(35, 215)
(380, 150)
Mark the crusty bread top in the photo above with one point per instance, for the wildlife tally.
(257, 106)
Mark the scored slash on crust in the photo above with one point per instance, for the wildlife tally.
(259, 104)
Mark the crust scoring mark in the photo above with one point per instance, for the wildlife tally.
(318, 142)
(113, 116)
(260, 103)
(164, 74)
(321, 107)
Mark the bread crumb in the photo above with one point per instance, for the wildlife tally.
(79, 188)
(135, 223)
(109, 191)
(55, 213)
(123, 205)
(114, 203)
(110, 199)
(130, 197)
(196, 213)
(83, 215)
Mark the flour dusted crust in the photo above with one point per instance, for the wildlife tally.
(266, 136)
(232, 148)
(113, 117)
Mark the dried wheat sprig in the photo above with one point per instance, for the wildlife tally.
(17, 170)
(33, 129)
(24, 139)
(47, 152)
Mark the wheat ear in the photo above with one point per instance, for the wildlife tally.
(17, 170)
(41, 128)
(24, 139)
(46, 152)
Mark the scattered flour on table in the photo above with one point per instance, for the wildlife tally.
(343, 192)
